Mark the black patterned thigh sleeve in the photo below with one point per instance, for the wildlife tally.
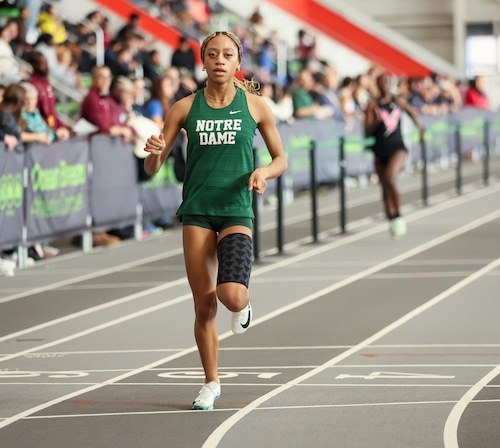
(234, 253)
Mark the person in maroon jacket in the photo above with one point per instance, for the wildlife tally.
(100, 109)
(46, 96)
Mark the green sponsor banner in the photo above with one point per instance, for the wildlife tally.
(11, 197)
(57, 196)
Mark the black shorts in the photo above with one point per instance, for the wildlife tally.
(384, 159)
(216, 223)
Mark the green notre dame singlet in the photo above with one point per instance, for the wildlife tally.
(219, 159)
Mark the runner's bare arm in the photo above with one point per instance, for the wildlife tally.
(159, 146)
(266, 123)
(372, 118)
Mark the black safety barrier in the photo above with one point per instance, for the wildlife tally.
(314, 193)
(425, 180)
(75, 187)
(80, 186)
(328, 151)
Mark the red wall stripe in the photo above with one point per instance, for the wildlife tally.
(156, 28)
(352, 36)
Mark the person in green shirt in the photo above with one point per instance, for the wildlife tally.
(303, 102)
(220, 178)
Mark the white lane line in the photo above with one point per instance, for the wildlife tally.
(261, 409)
(297, 347)
(47, 404)
(103, 352)
(97, 274)
(303, 201)
(383, 227)
(96, 328)
(412, 275)
(450, 433)
(217, 435)
(277, 384)
(362, 274)
(96, 308)
(309, 254)
(310, 298)
(434, 345)
(156, 257)
(349, 280)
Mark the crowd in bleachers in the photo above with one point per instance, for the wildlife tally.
(133, 81)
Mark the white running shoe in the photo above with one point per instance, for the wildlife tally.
(241, 320)
(398, 227)
(207, 395)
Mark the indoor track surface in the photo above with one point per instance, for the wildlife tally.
(358, 340)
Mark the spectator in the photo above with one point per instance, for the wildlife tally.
(19, 43)
(100, 109)
(34, 7)
(9, 140)
(45, 45)
(174, 75)
(139, 94)
(319, 94)
(475, 95)
(68, 68)
(49, 22)
(331, 92)
(257, 23)
(120, 93)
(417, 95)
(85, 46)
(132, 26)
(451, 93)
(187, 85)
(143, 127)
(123, 64)
(162, 97)
(350, 108)
(282, 111)
(34, 120)
(11, 120)
(303, 102)
(46, 98)
(105, 32)
(152, 65)
(94, 19)
(267, 60)
(10, 70)
(183, 56)
(436, 102)
(306, 47)
(361, 92)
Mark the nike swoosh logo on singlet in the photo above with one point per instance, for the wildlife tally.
(232, 112)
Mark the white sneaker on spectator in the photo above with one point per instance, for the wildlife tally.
(7, 267)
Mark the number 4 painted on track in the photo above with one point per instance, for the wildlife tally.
(395, 375)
